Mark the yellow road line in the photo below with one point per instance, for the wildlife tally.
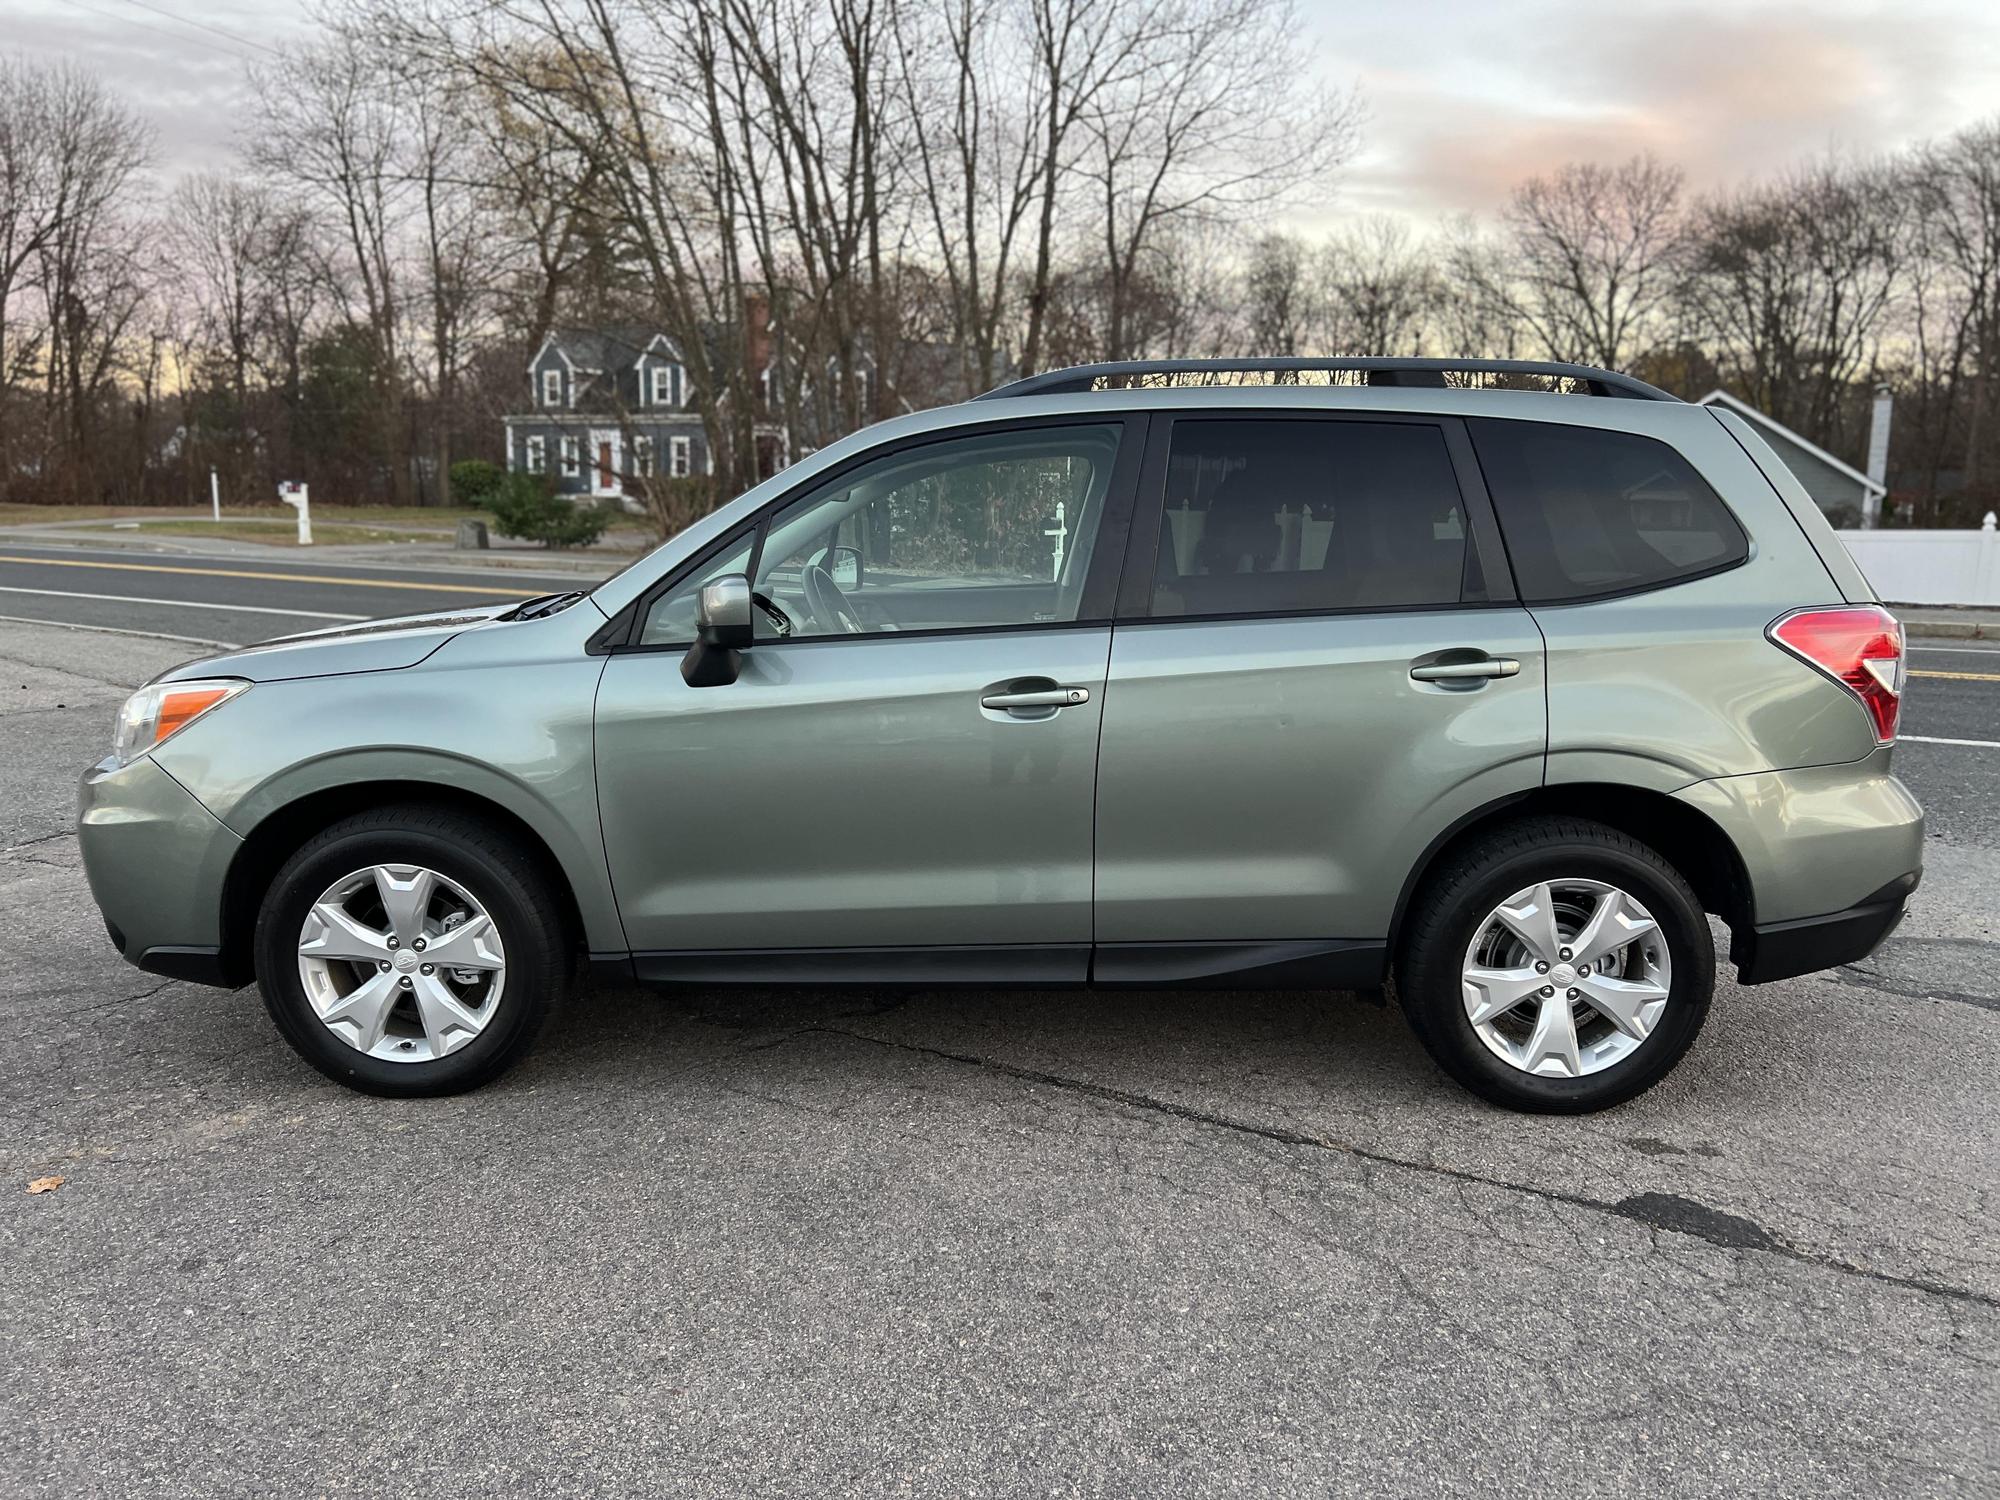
(359, 583)
(1960, 676)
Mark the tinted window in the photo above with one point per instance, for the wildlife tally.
(1273, 516)
(1588, 512)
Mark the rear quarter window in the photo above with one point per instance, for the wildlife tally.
(1588, 513)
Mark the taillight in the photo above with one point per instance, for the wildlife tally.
(1860, 647)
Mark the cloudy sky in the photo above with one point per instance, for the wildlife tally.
(1464, 97)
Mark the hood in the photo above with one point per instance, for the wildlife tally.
(371, 646)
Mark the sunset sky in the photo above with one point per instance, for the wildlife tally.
(1464, 97)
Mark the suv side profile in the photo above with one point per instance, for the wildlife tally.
(1130, 675)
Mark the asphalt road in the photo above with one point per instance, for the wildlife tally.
(986, 1244)
(238, 598)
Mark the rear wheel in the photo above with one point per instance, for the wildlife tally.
(410, 951)
(1557, 966)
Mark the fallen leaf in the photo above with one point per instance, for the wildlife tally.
(45, 1184)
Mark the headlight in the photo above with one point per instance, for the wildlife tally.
(162, 709)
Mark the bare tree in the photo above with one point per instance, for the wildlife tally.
(328, 124)
(1790, 283)
(1381, 291)
(1586, 261)
(1207, 118)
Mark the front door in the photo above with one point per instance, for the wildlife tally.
(1318, 669)
(604, 472)
(913, 766)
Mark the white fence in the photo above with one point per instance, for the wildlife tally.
(1930, 567)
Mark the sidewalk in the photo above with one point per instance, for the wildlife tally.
(1935, 622)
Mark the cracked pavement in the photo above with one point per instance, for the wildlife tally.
(992, 1244)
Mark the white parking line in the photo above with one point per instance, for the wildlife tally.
(1925, 739)
(241, 609)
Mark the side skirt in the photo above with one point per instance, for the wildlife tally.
(1320, 964)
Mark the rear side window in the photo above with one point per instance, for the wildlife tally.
(1587, 512)
(1275, 517)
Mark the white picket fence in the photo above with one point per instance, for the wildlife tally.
(1930, 567)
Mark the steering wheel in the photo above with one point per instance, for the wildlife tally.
(829, 606)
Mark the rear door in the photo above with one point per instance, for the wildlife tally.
(1318, 667)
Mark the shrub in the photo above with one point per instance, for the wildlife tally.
(525, 507)
(473, 480)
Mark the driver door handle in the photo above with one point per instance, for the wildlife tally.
(1459, 671)
(1060, 697)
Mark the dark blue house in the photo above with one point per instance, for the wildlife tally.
(607, 407)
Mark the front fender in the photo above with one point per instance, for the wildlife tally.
(476, 718)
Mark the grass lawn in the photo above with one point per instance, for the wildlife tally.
(285, 533)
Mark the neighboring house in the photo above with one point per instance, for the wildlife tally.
(606, 408)
(1842, 491)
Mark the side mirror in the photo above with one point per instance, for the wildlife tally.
(844, 567)
(723, 630)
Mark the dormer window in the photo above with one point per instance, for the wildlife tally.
(864, 390)
(666, 384)
(552, 387)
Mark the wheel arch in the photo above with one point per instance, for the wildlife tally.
(1682, 835)
(280, 832)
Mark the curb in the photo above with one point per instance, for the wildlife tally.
(1952, 630)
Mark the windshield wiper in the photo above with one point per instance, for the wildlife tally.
(545, 604)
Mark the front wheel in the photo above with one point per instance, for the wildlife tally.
(1556, 966)
(410, 951)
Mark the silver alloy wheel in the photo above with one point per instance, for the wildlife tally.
(1566, 978)
(401, 963)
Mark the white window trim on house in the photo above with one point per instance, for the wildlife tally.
(536, 459)
(664, 385)
(680, 462)
(642, 456)
(552, 388)
(572, 456)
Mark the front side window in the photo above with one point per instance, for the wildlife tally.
(572, 457)
(978, 532)
(537, 455)
(1588, 512)
(642, 457)
(677, 457)
(552, 387)
(1269, 516)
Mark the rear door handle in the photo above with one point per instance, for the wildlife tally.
(1458, 671)
(1060, 697)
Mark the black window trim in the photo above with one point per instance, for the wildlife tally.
(620, 635)
(1629, 590)
(1135, 595)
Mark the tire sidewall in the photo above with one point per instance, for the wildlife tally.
(524, 933)
(1439, 1010)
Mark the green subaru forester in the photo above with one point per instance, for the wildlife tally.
(1244, 675)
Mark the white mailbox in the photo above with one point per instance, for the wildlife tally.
(293, 493)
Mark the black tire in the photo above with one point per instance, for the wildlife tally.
(492, 868)
(1456, 898)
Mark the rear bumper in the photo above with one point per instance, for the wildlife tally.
(1783, 950)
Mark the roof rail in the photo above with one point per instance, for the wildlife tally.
(1129, 373)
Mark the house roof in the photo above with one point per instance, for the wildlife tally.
(600, 349)
(1763, 419)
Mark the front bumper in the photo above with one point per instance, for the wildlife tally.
(1783, 950)
(156, 860)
